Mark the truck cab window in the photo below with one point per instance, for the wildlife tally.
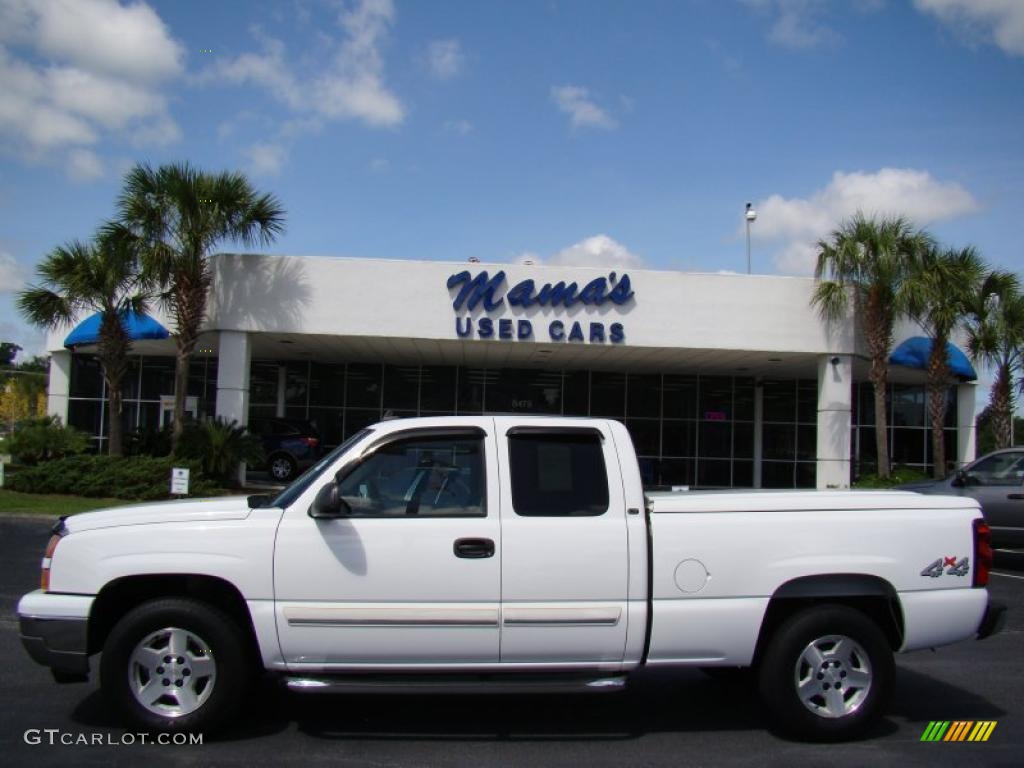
(425, 477)
(558, 475)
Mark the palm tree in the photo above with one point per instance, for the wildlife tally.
(940, 293)
(102, 277)
(181, 215)
(869, 260)
(995, 334)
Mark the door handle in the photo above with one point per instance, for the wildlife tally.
(474, 548)
(1015, 496)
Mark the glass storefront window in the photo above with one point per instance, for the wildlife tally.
(644, 395)
(807, 402)
(715, 439)
(714, 474)
(607, 394)
(716, 398)
(86, 415)
(576, 393)
(359, 418)
(743, 399)
(679, 397)
(262, 383)
(86, 377)
(524, 391)
(779, 401)
(471, 390)
(296, 384)
(401, 387)
(676, 472)
(908, 406)
(646, 434)
(326, 385)
(437, 389)
(363, 387)
(779, 442)
(679, 438)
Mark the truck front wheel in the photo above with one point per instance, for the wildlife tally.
(826, 674)
(174, 665)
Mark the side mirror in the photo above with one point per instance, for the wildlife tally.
(960, 478)
(328, 503)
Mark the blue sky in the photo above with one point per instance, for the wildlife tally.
(587, 132)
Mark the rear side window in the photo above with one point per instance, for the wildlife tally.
(558, 475)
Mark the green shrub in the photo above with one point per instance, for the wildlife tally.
(220, 446)
(898, 476)
(45, 438)
(145, 478)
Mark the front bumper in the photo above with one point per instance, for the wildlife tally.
(55, 632)
(992, 621)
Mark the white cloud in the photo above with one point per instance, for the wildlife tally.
(104, 100)
(103, 36)
(265, 159)
(444, 59)
(599, 250)
(12, 274)
(792, 226)
(796, 23)
(460, 127)
(84, 165)
(997, 21)
(575, 101)
(100, 63)
(348, 87)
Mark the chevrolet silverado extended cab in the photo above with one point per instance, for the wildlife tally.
(505, 553)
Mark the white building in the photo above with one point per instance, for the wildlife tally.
(723, 379)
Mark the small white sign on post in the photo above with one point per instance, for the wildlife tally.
(179, 481)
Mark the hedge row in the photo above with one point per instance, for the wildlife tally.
(144, 478)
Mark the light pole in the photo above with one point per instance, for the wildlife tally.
(751, 216)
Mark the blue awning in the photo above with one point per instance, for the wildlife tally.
(137, 327)
(914, 353)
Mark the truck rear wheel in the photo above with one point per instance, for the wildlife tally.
(826, 674)
(174, 665)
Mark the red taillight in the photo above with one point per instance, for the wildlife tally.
(983, 555)
(312, 442)
(51, 547)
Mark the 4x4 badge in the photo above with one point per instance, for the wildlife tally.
(949, 566)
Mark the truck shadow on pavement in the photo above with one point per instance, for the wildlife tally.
(655, 702)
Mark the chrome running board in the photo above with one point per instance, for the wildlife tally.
(477, 684)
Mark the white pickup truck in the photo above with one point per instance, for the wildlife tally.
(506, 553)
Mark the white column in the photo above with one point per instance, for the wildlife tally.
(233, 381)
(60, 385)
(835, 392)
(966, 434)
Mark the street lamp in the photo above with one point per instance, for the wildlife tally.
(751, 216)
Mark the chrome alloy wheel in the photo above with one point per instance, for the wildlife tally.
(833, 676)
(281, 468)
(172, 672)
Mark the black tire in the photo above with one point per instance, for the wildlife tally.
(848, 688)
(282, 467)
(226, 659)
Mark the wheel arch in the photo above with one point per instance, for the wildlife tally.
(871, 595)
(121, 595)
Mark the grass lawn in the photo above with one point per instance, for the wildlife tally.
(51, 504)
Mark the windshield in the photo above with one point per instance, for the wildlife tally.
(288, 496)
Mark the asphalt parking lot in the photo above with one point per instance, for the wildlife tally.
(678, 719)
